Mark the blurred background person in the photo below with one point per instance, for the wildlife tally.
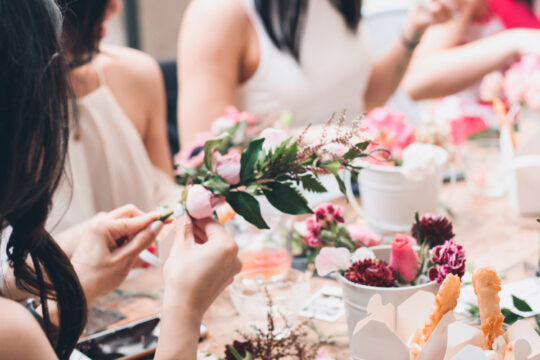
(118, 149)
(309, 57)
(452, 58)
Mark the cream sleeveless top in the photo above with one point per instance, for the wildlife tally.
(332, 74)
(107, 165)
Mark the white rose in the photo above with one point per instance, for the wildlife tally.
(422, 160)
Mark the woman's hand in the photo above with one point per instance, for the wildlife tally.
(109, 246)
(202, 263)
(429, 12)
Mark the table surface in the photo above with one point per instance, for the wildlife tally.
(491, 233)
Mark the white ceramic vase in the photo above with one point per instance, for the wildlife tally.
(356, 297)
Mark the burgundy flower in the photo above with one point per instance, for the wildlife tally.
(371, 273)
(242, 347)
(435, 230)
(324, 217)
(451, 260)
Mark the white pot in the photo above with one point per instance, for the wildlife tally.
(356, 297)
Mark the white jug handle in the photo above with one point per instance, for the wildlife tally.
(525, 161)
(347, 178)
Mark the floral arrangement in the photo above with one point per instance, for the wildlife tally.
(520, 84)
(391, 130)
(428, 255)
(274, 165)
(327, 228)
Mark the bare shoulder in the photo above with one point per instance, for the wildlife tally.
(130, 64)
(217, 18)
(21, 337)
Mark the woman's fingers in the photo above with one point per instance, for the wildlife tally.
(140, 242)
(128, 227)
(127, 211)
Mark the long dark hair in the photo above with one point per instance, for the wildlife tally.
(284, 20)
(33, 145)
(82, 28)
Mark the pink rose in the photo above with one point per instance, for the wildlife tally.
(228, 167)
(273, 138)
(236, 116)
(361, 236)
(404, 258)
(390, 131)
(200, 202)
(332, 259)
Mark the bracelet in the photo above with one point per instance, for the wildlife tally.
(410, 44)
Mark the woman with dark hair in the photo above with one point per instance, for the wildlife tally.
(118, 149)
(307, 56)
(484, 36)
(33, 142)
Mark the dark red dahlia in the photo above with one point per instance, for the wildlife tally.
(435, 230)
(371, 273)
(242, 347)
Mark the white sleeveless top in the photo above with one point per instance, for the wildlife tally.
(4, 237)
(108, 166)
(332, 74)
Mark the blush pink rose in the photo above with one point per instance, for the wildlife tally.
(361, 236)
(200, 202)
(273, 138)
(228, 167)
(332, 259)
(404, 258)
(463, 127)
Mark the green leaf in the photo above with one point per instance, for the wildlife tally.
(356, 151)
(333, 166)
(250, 156)
(217, 185)
(354, 177)
(248, 207)
(220, 144)
(341, 184)
(312, 184)
(235, 353)
(286, 199)
(520, 304)
(291, 154)
(510, 317)
(537, 318)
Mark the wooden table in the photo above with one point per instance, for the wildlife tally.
(491, 233)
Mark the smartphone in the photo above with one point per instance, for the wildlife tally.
(135, 340)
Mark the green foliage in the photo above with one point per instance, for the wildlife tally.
(521, 304)
(250, 156)
(286, 199)
(221, 144)
(217, 185)
(357, 151)
(312, 184)
(248, 207)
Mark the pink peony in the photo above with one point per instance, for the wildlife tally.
(192, 155)
(463, 127)
(200, 202)
(362, 237)
(451, 258)
(332, 259)
(236, 116)
(404, 258)
(228, 166)
(389, 130)
(273, 138)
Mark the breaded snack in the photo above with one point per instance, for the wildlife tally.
(487, 285)
(445, 301)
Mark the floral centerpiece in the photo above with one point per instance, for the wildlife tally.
(275, 165)
(407, 178)
(411, 263)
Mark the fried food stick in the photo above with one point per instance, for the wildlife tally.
(445, 301)
(487, 285)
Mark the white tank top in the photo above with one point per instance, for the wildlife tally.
(332, 74)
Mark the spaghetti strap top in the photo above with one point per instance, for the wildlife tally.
(331, 76)
(108, 165)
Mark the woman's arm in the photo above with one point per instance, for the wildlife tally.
(443, 66)
(390, 68)
(212, 42)
(21, 337)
